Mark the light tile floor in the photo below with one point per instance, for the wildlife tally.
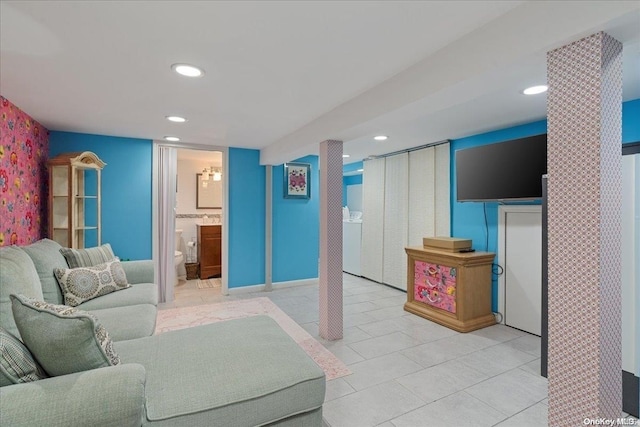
(408, 371)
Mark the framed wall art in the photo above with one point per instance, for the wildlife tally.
(208, 193)
(297, 180)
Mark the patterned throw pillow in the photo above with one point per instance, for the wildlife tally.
(62, 339)
(16, 362)
(84, 283)
(87, 257)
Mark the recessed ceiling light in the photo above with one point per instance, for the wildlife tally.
(176, 119)
(360, 170)
(380, 138)
(187, 70)
(172, 138)
(344, 156)
(534, 90)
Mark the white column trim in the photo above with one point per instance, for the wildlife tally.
(268, 228)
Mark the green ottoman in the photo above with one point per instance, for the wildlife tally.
(243, 372)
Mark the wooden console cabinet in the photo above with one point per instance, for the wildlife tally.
(210, 250)
(452, 289)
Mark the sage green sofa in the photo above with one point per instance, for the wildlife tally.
(244, 372)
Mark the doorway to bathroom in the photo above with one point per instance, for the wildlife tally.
(199, 214)
(190, 239)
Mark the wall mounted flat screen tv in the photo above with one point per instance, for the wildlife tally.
(510, 170)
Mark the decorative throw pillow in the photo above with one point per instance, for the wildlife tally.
(16, 362)
(88, 257)
(84, 283)
(62, 339)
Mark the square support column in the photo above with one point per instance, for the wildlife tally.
(584, 225)
(330, 274)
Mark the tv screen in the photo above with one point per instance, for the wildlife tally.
(510, 170)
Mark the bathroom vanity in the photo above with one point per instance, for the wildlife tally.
(210, 250)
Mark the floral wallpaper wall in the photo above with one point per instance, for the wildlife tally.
(24, 148)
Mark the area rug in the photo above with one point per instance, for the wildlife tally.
(209, 283)
(185, 317)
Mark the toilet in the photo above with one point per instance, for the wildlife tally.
(181, 272)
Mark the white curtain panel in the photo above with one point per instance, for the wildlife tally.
(373, 218)
(396, 220)
(167, 170)
(422, 209)
(405, 197)
(442, 191)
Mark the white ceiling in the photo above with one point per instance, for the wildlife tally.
(214, 158)
(282, 76)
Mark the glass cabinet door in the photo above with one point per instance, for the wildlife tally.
(74, 199)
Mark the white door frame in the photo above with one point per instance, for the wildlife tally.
(155, 239)
(631, 268)
(502, 223)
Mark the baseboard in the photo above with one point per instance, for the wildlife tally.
(246, 289)
(292, 283)
(630, 393)
(275, 285)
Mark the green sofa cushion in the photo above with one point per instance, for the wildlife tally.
(17, 276)
(16, 362)
(142, 293)
(46, 256)
(104, 397)
(129, 322)
(82, 284)
(87, 257)
(62, 339)
(140, 271)
(245, 372)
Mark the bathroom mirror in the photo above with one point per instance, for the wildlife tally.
(208, 193)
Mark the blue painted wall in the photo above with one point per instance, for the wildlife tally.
(350, 179)
(126, 188)
(296, 228)
(126, 200)
(631, 121)
(126, 196)
(353, 179)
(347, 181)
(468, 218)
(350, 167)
(246, 218)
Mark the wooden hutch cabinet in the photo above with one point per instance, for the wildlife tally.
(450, 288)
(74, 199)
(210, 250)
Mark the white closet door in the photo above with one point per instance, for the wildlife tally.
(523, 267)
(372, 218)
(442, 191)
(396, 220)
(422, 209)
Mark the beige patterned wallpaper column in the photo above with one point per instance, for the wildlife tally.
(584, 200)
(330, 274)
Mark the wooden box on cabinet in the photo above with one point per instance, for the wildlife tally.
(210, 250)
(452, 289)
